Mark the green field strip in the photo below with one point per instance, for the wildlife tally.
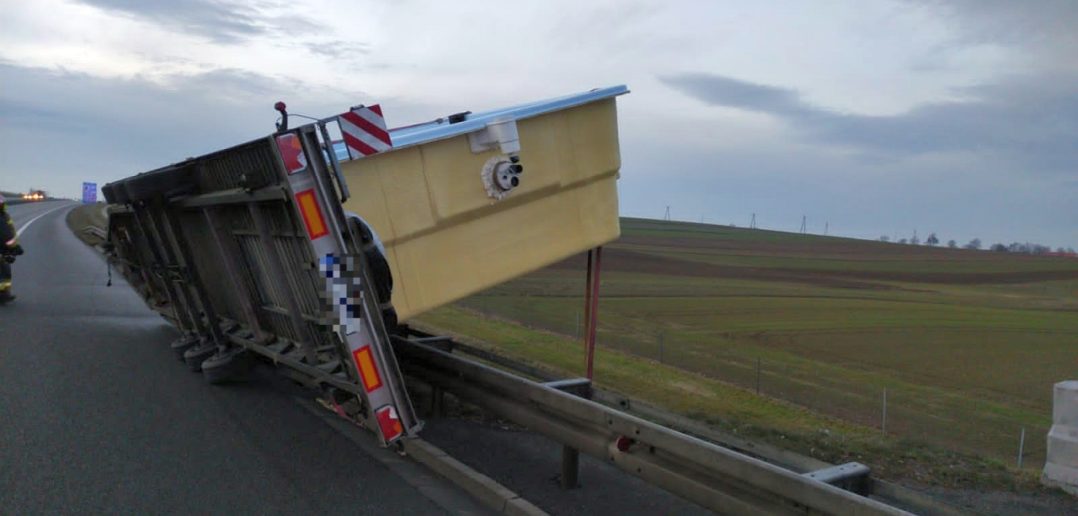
(935, 416)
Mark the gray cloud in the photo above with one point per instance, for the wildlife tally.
(1039, 34)
(1034, 122)
(1049, 22)
(58, 128)
(221, 22)
(726, 91)
(337, 49)
(350, 55)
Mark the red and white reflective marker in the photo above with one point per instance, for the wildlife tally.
(292, 153)
(364, 131)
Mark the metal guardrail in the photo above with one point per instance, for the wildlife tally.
(712, 476)
(95, 231)
(859, 481)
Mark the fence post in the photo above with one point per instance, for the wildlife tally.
(883, 423)
(757, 376)
(662, 342)
(1021, 446)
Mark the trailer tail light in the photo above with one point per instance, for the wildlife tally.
(389, 422)
(312, 214)
(368, 372)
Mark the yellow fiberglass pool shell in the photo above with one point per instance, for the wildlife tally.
(450, 229)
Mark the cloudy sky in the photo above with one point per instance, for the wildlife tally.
(873, 117)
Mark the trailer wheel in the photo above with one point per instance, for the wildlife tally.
(227, 366)
(182, 344)
(198, 354)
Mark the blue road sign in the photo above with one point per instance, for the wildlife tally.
(89, 193)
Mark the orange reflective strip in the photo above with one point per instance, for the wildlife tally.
(368, 373)
(312, 214)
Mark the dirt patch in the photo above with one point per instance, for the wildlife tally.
(966, 278)
(81, 219)
(622, 260)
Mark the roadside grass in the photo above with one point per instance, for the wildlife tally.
(732, 408)
(87, 215)
(966, 343)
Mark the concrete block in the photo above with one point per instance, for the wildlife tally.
(1061, 466)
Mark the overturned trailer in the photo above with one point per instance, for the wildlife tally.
(307, 247)
(272, 246)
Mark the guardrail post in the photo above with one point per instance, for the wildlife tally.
(437, 402)
(570, 457)
(570, 467)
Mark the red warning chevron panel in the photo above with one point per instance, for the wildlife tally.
(364, 131)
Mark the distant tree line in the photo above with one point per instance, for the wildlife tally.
(976, 244)
(1029, 248)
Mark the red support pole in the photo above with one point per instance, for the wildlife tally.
(587, 300)
(592, 308)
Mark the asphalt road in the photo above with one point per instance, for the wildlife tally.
(97, 415)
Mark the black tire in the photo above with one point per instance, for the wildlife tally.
(389, 317)
(381, 274)
(198, 354)
(182, 344)
(226, 367)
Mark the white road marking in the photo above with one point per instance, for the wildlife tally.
(22, 228)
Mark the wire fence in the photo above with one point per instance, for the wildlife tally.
(1009, 430)
(958, 421)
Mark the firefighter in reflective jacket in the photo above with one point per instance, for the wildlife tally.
(9, 249)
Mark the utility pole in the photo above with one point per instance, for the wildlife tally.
(752, 225)
(826, 226)
(667, 215)
(804, 219)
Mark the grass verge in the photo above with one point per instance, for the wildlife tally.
(85, 216)
(734, 409)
